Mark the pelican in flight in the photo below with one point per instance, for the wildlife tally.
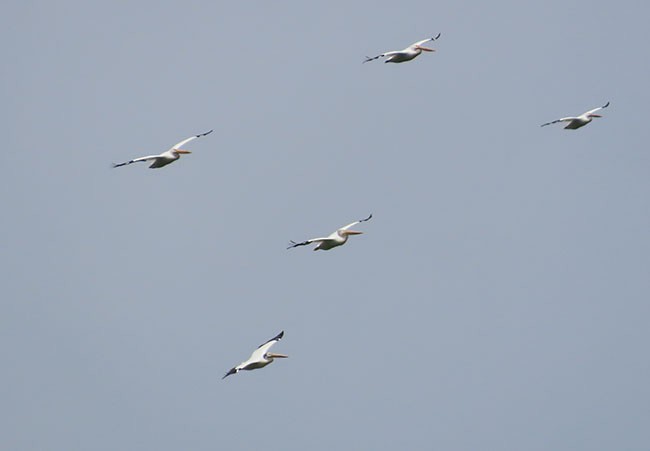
(165, 158)
(579, 121)
(410, 52)
(337, 238)
(260, 357)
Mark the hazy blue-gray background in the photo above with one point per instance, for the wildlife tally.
(498, 300)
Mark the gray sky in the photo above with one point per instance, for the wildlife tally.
(497, 301)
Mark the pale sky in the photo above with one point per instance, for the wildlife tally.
(498, 299)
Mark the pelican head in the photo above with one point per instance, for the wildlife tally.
(425, 49)
(345, 233)
(181, 151)
(271, 355)
(594, 115)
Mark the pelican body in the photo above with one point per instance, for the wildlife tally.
(165, 158)
(335, 239)
(260, 357)
(578, 121)
(409, 53)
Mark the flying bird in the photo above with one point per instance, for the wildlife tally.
(410, 52)
(337, 238)
(165, 158)
(579, 121)
(259, 358)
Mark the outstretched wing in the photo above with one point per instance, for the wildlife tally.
(136, 160)
(596, 109)
(424, 41)
(264, 347)
(564, 119)
(293, 244)
(356, 222)
(368, 58)
(191, 138)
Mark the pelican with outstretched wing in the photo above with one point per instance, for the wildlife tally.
(578, 121)
(410, 52)
(335, 239)
(164, 158)
(260, 357)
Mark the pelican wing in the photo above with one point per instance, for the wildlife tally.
(368, 58)
(562, 119)
(424, 41)
(355, 223)
(136, 160)
(191, 138)
(264, 347)
(596, 109)
(293, 244)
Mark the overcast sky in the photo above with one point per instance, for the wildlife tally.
(498, 299)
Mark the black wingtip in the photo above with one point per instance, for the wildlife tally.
(606, 105)
(276, 338)
(294, 244)
(231, 371)
(437, 36)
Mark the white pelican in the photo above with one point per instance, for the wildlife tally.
(165, 158)
(337, 238)
(579, 121)
(410, 52)
(259, 358)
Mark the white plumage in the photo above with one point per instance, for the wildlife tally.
(259, 358)
(407, 54)
(575, 122)
(335, 239)
(167, 157)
